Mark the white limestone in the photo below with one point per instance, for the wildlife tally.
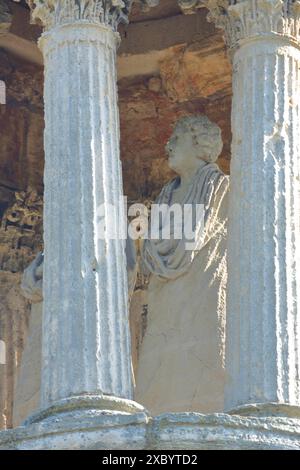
(86, 341)
(263, 329)
(167, 431)
(263, 342)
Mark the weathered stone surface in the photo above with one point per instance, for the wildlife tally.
(188, 7)
(262, 354)
(272, 254)
(15, 164)
(28, 378)
(86, 342)
(147, 117)
(99, 430)
(20, 238)
(152, 9)
(151, 118)
(20, 231)
(195, 71)
(27, 387)
(138, 322)
(105, 12)
(91, 428)
(22, 124)
(164, 32)
(243, 20)
(181, 361)
(222, 431)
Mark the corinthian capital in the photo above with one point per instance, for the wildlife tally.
(52, 13)
(245, 19)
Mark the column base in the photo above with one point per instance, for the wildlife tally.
(81, 422)
(110, 430)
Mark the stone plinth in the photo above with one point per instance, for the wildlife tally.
(86, 340)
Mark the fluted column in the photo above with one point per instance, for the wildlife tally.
(263, 313)
(86, 341)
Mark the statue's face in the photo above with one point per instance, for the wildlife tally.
(180, 149)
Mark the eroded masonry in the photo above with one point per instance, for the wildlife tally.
(108, 343)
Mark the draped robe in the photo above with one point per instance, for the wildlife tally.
(181, 361)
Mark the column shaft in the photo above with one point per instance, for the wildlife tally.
(86, 343)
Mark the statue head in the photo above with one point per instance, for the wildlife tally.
(194, 139)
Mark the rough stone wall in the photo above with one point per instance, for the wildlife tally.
(21, 169)
(20, 239)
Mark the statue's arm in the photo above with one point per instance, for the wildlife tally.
(32, 280)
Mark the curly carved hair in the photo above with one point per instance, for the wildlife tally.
(199, 125)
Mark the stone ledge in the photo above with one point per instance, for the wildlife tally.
(98, 429)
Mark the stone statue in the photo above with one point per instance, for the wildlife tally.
(181, 358)
(181, 362)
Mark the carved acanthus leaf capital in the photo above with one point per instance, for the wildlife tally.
(242, 19)
(52, 13)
